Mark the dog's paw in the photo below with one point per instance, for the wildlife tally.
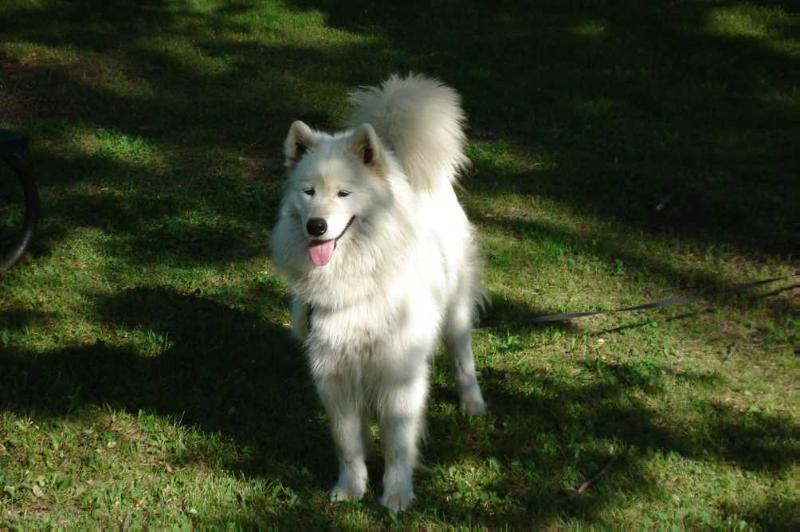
(397, 501)
(473, 407)
(347, 492)
(352, 483)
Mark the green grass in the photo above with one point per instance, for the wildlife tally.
(146, 373)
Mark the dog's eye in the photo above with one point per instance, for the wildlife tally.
(309, 191)
(343, 194)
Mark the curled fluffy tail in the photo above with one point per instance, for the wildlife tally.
(421, 121)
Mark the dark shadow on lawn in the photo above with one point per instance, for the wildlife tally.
(649, 322)
(154, 228)
(686, 282)
(502, 312)
(227, 370)
(636, 103)
(16, 318)
(543, 430)
(772, 514)
(221, 369)
(196, 121)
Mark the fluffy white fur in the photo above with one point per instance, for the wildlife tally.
(404, 273)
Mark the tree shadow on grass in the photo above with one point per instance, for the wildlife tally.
(219, 368)
(769, 514)
(226, 370)
(635, 103)
(547, 434)
(16, 319)
(504, 312)
(156, 228)
(137, 165)
(688, 281)
(633, 106)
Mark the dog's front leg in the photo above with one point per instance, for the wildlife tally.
(345, 413)
(401, 410)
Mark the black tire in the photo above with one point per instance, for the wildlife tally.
(16, 162)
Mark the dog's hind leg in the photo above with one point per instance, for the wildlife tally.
(458, 338)
(345, 412)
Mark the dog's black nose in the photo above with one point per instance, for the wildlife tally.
(316, 226)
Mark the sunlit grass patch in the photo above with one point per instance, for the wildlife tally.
(747, 20)
(590, 28)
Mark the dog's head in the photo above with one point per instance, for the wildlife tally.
(335, 182)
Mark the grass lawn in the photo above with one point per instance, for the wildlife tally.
(146, 373)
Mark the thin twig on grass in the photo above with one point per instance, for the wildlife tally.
(587, 484)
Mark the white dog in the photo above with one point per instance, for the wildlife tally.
(382, 262)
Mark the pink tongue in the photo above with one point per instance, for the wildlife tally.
(321, 251)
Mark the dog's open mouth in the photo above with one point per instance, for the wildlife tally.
(321, 251)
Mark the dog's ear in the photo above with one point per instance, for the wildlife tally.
(367, 146)
(299, 140)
